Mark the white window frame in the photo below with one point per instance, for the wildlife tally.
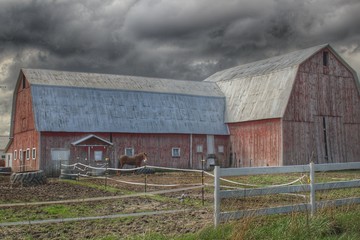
(175, 150)
(28, 154)
(3, 156)
(199, 148)
(221, 149)
(33, 153)
(129, 149)
(15, 154)
(20, 154)
(96, 155)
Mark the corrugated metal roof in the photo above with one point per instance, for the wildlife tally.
(258, 97)
(260, 90)
(74, 109)
(265, 66)
(132, 83)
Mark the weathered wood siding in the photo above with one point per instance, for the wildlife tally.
(157, 146)
(25, 135)
(323, 97)
(256, 143)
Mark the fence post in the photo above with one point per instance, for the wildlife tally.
(312, 188)
(145, 178)
(217, 196)
(202, 180)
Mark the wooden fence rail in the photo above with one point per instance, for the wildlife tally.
(312, 187)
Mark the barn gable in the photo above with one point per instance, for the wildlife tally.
(261, 90)
(110, 103)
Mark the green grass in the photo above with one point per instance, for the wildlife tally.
(326, 225)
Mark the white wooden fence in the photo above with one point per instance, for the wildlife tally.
(312, 187)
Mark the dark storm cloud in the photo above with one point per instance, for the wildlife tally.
(166, 38)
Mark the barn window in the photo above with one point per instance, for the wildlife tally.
(20, 155)
(23, 82)
(199, 148)
(60, 154)
(3, 156)
(129, 151)
(175, 152)
(28, 154)
(98, 155)
(220, 149)
(33, 153)
(15, 155)
(325, 59)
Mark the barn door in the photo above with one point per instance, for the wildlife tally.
(330, 139)
(210, 151)
(59, 156)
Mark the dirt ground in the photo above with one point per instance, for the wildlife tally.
(193, 218)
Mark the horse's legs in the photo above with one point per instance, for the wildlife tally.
(120, 166)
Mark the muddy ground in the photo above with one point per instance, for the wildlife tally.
(193, 218)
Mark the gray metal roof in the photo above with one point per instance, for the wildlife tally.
(265, 66)
(74, 109)
(121, 82)
(260, 90)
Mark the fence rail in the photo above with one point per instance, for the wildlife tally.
(312, 187)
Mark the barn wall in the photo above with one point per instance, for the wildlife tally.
(256, 143)
(322, 98)
(157, 146)
(25, 135)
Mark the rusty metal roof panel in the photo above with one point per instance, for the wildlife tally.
(121, 82)
(74, 109)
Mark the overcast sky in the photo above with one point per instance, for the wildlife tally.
(187, 39)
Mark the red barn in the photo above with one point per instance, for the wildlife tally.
(284, 110)
(293, 108)
(66, 117)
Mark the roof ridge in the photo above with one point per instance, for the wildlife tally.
(267, 65)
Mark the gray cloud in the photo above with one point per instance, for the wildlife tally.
(171, 39)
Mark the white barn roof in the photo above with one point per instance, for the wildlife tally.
(260, 90)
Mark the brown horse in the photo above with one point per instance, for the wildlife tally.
(134, 160)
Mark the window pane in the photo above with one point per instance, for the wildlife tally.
(176, 152)
(33, 153)
(98, 155)
(129, 151)
(220, 149)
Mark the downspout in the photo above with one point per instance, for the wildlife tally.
(190, 151)
(38, 154)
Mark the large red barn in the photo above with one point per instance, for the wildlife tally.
(292, 109)
(284, 110)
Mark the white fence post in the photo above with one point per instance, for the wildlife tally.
(217, 196)
(312, 189)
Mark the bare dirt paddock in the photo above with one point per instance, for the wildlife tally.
(190, 215)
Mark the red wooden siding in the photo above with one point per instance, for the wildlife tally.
(256, 143)
(25, 135)
(157, 146)
(322, 97)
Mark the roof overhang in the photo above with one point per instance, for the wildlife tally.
(82, 140)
